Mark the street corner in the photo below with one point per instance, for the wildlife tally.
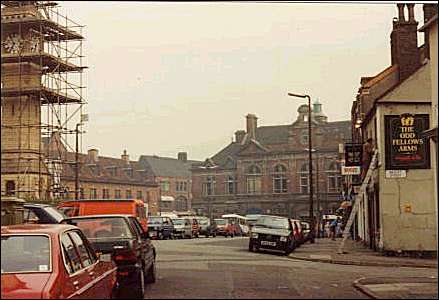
(400, 288)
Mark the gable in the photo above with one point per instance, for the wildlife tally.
(253, 147)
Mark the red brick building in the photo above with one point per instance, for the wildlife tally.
(265, 170)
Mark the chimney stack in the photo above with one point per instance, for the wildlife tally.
(239, 136)
(404, 42)
(125, 157)
(182, 156)
(93, 155)
(252, 124)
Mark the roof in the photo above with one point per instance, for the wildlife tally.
(100, 216)
(36, 228)
(380, 76)
(272, 134)
(166, 166)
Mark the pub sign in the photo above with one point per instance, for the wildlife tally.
(405, 148)
(353, 154)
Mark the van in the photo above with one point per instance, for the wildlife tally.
(134, 207)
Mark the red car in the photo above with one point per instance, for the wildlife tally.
(53, 261)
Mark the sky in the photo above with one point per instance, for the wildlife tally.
(164, 78)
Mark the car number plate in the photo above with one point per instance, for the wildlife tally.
(267, 243)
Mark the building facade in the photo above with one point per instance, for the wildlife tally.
(173, 176)
(265, 169)
(398, 211)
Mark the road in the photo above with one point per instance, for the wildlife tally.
(223, 268)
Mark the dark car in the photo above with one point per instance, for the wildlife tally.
(207, 228)
(42, 214)
(130, 246)
(272, 233)
(161, 228)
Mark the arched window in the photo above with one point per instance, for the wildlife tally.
(209, 186)
(10, 188)
(230, 185)
(334, 178)
(253, 180)
(280, 179)
(304, 179)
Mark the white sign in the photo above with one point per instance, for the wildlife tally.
(350, 170)
(396, 173)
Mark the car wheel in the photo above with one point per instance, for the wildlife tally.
(253, 248)
(152, 273)
(139, 288)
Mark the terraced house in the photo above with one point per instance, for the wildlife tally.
(265, 169)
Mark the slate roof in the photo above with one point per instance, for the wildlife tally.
(272, 134)
(166, 166)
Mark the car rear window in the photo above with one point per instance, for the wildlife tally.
(155, 220)
(178, 221)
(220, 221)
(25, 253)
(103, 228)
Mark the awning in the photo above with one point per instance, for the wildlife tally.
(167, 198)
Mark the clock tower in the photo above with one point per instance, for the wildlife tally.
(35, 61)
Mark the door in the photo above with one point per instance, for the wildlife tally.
(141, 244)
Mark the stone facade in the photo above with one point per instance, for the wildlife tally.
(265, 170)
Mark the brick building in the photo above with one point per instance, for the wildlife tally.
(265, 170)
(100, 177)
(398, 212)
(174, 179)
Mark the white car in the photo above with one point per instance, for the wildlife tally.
(182, 228)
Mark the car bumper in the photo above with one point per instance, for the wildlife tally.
(128, 274)
(271, 245)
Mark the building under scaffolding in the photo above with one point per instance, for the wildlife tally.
(41, 96)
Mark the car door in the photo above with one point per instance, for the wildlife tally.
(77, 285)
(140, 243)
(146, 244)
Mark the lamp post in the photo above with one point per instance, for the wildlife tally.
(311, 207)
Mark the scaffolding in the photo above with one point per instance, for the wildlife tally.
(42, 59)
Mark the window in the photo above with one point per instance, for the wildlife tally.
(280, 179)
(209, 186)
(71, 256)
(334, 179)
(181, 204)
(164, 186)
(29, 216)
(230, 185)
(117, 194)
(93, 193)
(181, 186)
(184, 186)
(128, 194)
(304, 179)
(253, 180)
(86, 257)
(105, 194)
(10, 188)
(304, 137)
(139, 195)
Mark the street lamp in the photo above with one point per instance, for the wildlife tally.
(311, 208)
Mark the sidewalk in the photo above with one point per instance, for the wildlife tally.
(325, 250)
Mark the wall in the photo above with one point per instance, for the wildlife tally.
(414, 231)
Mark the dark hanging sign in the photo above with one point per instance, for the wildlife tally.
(353, 154)
(405, 148)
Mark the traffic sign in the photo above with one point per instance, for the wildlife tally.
(350, 170)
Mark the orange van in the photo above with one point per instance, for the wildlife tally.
(134, 207)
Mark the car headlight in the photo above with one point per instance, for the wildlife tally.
(254, 235)
(283, 238)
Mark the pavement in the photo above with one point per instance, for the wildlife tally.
(325, 250)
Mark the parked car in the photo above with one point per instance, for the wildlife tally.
(307, 234)
(34, 213)
(226, 228)
(272, 233)
(122, 236)
(195, 226)
(298, 233)
(53, 261)
(86, 207)
(207, 228)
(182, 228)
(161, 228)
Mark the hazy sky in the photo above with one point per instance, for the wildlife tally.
(170, 77)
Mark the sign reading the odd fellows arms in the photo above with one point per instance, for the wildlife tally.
(405, 148)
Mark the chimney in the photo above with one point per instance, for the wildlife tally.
(182, 156)
(93, 155)
(404, 42)
(125, 157)
(252, 124)
(239, 136)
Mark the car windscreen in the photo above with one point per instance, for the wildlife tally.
(271, 222)
(178, 221)
(221, 222)
(203, 221)
(57, 215)
(155, 220)
(103, 228)
(25, 253)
